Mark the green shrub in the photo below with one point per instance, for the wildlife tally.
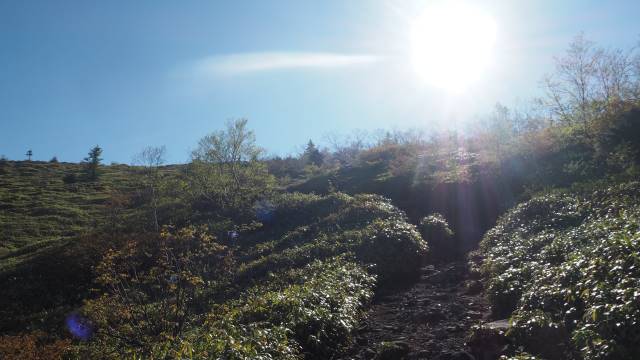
(569, 267)
(435, 230)
(366, 225)
(70, 178)
(395, 248)
(321, 306)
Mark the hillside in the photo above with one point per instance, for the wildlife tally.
(45, 204)
(365, 258)
(566, 264)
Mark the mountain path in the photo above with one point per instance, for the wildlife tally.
(429, 319)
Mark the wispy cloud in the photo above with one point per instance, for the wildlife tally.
(235, 64)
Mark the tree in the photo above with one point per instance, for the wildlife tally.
(226, 172)
(92, 162)
(152, 288)
(29, 154)
(501, 129)
(589, 81)
(54, 159)
(311, 155)
(151, 158)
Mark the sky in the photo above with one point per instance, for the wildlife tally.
(130, 74)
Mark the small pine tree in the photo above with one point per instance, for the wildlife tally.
(29, 154)
(312, 155)
(54, 159)
(92, 162)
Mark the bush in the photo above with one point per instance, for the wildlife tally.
(395, 248)
(33, 346)
(70, 178)
(435, 230)
(321, 306)
(568, 265)
(367, 225)
(153, 287)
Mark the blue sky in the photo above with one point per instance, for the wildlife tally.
(127, 74)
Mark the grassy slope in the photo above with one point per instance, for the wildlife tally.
(39, 211)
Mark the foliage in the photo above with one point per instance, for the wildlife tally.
(310, 310)
(225, 174)
(312, 155)
(33, 346)
(302, 283)
(321, 306)
(570, 262)
(435, 230)
(153, 286)
(312, 227)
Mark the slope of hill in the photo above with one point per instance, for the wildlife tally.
(44, 204)
(566, 268)
(296, 283)
(242, 271)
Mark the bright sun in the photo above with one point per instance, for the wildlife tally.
(451, 45)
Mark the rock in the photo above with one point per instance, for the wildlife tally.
(474, 314)
(473, 287)
(440, 334)
(432, 316)
(488, 341)
(440, 296)
(457, 308)
(392, 350)
(369, 353)
(390, 328)
(499, 325)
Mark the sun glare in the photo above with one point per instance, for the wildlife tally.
(451, 45)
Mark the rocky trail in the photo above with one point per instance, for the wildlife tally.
(429, 319)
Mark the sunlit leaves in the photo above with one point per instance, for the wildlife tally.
(572, 260)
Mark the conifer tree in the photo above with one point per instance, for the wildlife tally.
(92, 162)
(312, 155)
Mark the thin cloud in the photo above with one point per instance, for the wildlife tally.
(236, 64)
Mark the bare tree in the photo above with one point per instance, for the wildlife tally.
(571, 89)
(615, 75)
(151, 158)
(588, 81)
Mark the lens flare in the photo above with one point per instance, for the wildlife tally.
(78, 326)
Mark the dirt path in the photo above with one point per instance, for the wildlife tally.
(429, 320)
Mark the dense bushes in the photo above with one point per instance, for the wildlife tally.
(153, 287)
(33, 346)
(569, 267)
(310, 310)
(299, 288)
(370, 227)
